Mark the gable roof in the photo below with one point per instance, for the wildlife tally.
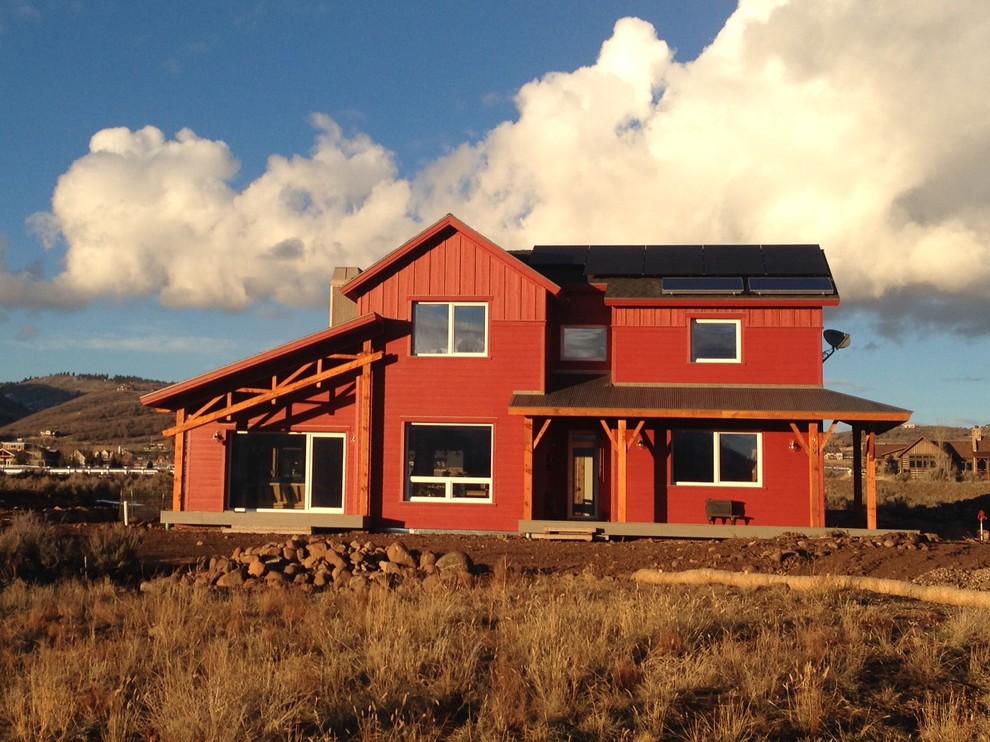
(424, 241)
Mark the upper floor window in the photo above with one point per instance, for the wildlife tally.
(589, 343)
(450, 329)
(715, 341)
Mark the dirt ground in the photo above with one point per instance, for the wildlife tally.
(903, 556)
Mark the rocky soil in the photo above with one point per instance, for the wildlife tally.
(354, 559)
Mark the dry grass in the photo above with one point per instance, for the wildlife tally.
(516, 659)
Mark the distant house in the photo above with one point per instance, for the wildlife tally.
(925, 458)
(22, 453)
(617, 388)
(7, 457)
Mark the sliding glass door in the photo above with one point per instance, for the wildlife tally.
(287, 471)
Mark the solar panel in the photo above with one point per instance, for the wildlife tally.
(795, 260)
(674, 260)
(559, 255)
(733, 260)
(702, 285)
(791, 285)
(615, 260)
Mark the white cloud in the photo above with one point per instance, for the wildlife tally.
(861, 126)
(145, 215)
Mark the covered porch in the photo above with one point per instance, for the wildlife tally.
(633, 418)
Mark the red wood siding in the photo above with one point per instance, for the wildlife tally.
(779, 346)
(455, 268)
(782, 500)
(460, 390)
(206, 467)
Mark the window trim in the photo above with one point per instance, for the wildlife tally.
(737, 323)
(448, 481)
(451, 351)
(716, 461)
(582, 359)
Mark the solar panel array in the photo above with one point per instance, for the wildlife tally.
(697, 269)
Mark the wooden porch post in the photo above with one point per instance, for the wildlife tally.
(527, 505)
(814, 473)
(871, 480)
(857, 444)
(180, 457)
(364, 438)
(622, 467)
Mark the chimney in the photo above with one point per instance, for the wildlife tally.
(976, 435)
(342, 309)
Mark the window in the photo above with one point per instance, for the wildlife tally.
(449, 329)
(449, 462)
(715, 341)
(287, 471)
(707, 457)
(583, 343)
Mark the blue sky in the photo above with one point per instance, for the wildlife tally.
(178, 181)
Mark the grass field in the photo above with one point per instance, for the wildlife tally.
(540, 659)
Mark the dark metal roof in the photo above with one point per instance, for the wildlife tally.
(579, 396)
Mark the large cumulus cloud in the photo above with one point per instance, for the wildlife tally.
(862, 126)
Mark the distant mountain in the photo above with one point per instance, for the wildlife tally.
(83, 410)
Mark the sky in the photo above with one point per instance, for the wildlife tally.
(178, 181)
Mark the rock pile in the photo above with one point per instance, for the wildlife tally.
(319, 563)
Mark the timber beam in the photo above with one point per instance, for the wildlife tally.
(306, 375)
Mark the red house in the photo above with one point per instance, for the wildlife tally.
(629, 390)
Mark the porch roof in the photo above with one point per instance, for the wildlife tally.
(596, 396)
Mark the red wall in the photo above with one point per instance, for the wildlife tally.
(460, 390)
(205, 474)
(782, 500)
(779, 346)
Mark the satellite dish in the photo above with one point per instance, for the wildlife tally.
(836, 340)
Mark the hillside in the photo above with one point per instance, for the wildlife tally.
(83, 411)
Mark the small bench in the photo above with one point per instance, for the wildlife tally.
(726, 510)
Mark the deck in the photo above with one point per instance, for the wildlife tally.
(295, 522)
(571, 529)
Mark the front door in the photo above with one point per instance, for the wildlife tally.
(582, 476)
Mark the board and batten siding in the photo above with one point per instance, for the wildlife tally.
(457, 267)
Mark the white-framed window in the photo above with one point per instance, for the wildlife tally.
(450, 329)
(584, 343)
(446, 462)
(707, 457)
(287, 471)
(716, 341)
